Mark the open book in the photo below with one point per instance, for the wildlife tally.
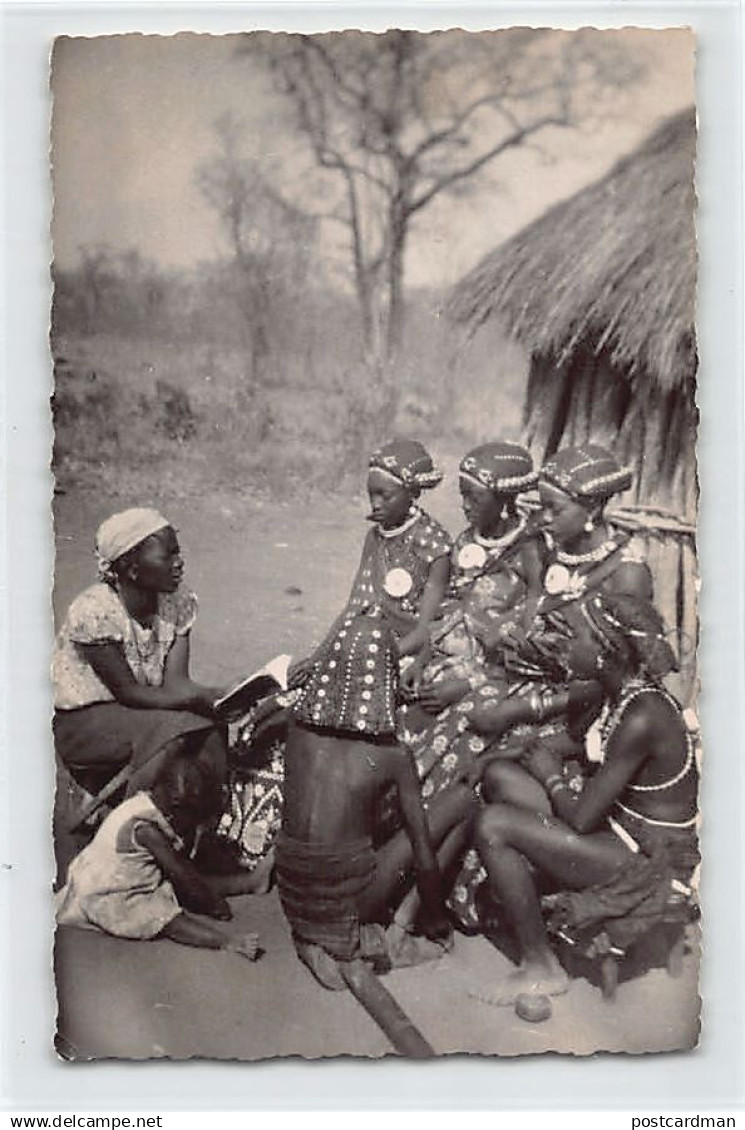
(245, 694)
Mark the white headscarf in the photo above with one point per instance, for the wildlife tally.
(122, 532)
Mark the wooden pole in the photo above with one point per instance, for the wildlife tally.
(384, 1010)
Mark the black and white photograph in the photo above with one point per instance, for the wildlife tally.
(375, 670)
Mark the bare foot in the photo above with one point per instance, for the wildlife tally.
(255, 882)
(247, 945)
(263, 874)
(547, 980)
(405, 949)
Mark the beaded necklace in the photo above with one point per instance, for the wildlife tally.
(599, 553)
(504, 540)
(393, 533)
(609, 724)
(476, 556)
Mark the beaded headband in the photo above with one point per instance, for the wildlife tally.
(586, 472)
(504, 468)
(408, 462)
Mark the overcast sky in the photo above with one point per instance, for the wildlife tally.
(134, 115)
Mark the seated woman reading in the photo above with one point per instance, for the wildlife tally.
(122, 690)
(629, 836)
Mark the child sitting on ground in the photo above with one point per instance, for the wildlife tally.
(136, 879)
(336, 890)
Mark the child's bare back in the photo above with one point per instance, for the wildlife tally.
(332, 783)
(341, 754)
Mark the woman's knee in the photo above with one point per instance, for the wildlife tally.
(496, 781)
(493, 827)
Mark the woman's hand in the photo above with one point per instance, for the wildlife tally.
(411, 676)
(220, 909)
(542, 763)
(300, 672)
(487, 720)
(437, 927)
(435, 697)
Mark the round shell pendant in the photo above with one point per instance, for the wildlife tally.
(397, 582)
(557, 579)
(472, 556)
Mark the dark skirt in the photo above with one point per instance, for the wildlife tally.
(319, 886)
(106, 736)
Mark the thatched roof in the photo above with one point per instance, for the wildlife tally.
(613, 267)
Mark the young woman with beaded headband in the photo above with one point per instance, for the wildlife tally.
(122, 689)
(404, 567)
(526, 665)
(402, 575)
(495, 574)
(575, 486)
(586, 556)
(624, 845)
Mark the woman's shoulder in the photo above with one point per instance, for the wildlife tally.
(634, 551)
(631, 578)
(649, 708)
(95, 613)
(97, 595)
(431, 539)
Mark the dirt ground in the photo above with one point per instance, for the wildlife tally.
(270, 577)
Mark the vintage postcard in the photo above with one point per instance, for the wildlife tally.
(375, 374)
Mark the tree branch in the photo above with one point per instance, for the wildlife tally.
(478, 163)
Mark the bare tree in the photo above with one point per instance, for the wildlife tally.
(269, 239)
(401, 118)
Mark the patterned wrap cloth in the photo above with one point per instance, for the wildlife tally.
(354, 685)
(489, 579)
(319, 885)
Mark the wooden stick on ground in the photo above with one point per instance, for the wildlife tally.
(384, 1010)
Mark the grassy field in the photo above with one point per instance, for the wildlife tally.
(134, 415)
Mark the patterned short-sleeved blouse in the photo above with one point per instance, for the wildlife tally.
(97, 615)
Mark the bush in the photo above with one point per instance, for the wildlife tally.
(173, 414)
(190, 413)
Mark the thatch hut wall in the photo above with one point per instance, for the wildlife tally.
(600, 291)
